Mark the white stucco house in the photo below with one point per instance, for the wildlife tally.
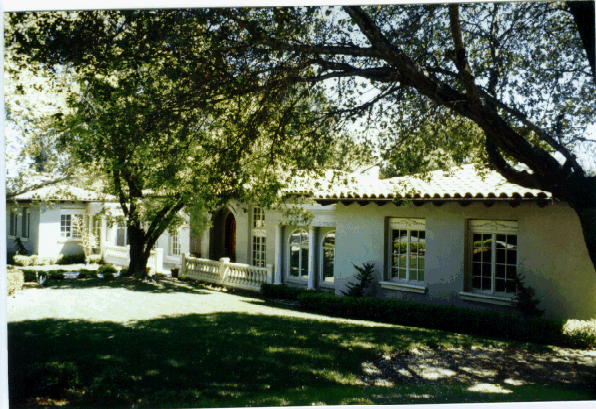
(46, 228)
(456, 239)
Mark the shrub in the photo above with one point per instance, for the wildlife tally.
(96, 259)
(108, 275)
(581, 333)
(161, 275)
(25, 261)
(72, 259)
(107, 268)
(527, 303)
(364, 277)
(21, 249)
(30, 276)
(454, 319)
(46, 261)
(87, 274)
(14, 281)
(56, 275)
(125, 273)
(282, 291)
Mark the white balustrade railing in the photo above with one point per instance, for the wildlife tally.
(120, 256)
(236, 275)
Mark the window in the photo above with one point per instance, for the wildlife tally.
(175, 244)
(258, 217)
(25, 223)
(97, 229)
(328, 255)
(298, 254)
(407, 247)
(259, 245)
(259, 249)
(494, 256)
(12, 229)
(68, 229)
(121, 235)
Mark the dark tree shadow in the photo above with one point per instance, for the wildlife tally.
(130, 284)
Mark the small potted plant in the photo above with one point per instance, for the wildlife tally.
(175, 272)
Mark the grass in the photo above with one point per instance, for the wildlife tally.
(225, 359)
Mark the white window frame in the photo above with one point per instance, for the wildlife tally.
(71, 233)
(174, 245)
(258, 217)
(302, 247)
(258, 242)
(409, 225)
(13, 222)
(322, 263)
(26, 223)
(120, 225)
(493, 228)
(259, 247)
(97, 222)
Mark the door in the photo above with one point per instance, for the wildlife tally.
(230, 238)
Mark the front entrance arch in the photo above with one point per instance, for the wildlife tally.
(222, 235)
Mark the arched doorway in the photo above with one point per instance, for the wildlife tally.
(230, 237)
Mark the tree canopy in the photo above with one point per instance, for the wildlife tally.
(516, 72)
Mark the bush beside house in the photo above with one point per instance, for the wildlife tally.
(14, 281)
(568, 333)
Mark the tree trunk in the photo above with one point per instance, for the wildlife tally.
(582, 198)
(138, 256)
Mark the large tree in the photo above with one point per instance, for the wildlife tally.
(516, 71)
(172, 125)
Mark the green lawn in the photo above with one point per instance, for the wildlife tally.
(219, 359)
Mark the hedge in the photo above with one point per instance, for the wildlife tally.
(106, 268)
(14, 280)
(32, 260)
(494, 324)
(72, 259)
(282, 291)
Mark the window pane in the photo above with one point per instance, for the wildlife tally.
(295, 238)
(499, 285)
(328, 264)
(329, 241)
(511, 241)
(485, 284)
(487, 255)
(421, 273)
(304, 239)
(294, 261)
(413, 263)
(511, 273)
(476, 281)
(512, 257)
(510, 286)
(500, 271)
(501, 255)
(304, 266)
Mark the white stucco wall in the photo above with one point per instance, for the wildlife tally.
(551, 252)
(50, 242)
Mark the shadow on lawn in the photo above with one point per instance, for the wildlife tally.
(193, 360)
(162, 286)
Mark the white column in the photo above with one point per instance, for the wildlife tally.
(278, 253)
(311, 257)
